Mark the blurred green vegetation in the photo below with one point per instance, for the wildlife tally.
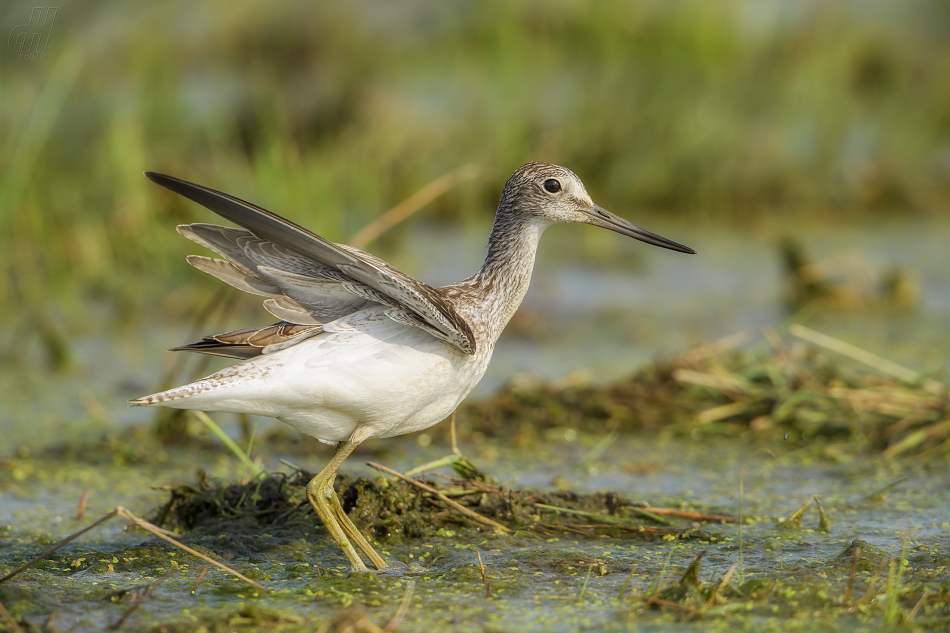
(331, 113)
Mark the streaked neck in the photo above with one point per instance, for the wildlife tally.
(505, 276)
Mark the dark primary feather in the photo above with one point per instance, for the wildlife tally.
(423, 304)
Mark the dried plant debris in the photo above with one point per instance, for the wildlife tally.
(796, 391)
(394, 510)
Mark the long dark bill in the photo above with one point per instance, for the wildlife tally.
(605, 219)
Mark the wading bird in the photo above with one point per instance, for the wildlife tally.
(363, 350)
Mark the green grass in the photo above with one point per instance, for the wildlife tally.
(331, 115)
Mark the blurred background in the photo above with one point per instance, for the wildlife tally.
(801, 147)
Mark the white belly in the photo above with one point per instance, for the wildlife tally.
(365, 371)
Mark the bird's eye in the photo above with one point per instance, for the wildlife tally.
(552, 186)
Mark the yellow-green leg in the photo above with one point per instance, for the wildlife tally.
(327, 505)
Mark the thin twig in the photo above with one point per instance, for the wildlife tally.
(687, 514)
(877, 574)
(160, 529)
(452, 504)
(606, 518)
(403, 609)
(879, 363)
(49, 552)
(666, 603)
(855, 557)
(573, 528)
(82, 505)
(483, 487)
(626, 582)
(718, 346)
(739, 523)
(481, 567)
(635, 530)
(291, 511)
(413, 203)
(725, 581)
(200, 578)
(139, 595)
(920, 603)
(145, 525)
(14, 626)
(660, 579)
(125, 616)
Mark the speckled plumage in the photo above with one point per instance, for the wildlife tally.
(362, 349)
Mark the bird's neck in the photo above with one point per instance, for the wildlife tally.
(504, 277)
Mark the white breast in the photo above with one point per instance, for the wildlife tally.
(365, 370)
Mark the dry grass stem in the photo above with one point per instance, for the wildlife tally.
(870, 592)
(148, 527)
(125, 616)
(481, 568)
(200, 578)
(722, 583)
(920, 603)
(879, 363)
(403, 609)
(626, 582)
(52, 549)
(717, 347)
(696, 516)
(481, 565)
(855, 557)
(413, 203)
(82, 505)
(14, 626)
(606, 518)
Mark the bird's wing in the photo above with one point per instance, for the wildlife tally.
(301, 257)
(298, 290)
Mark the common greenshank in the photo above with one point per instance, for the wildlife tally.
(363, 350)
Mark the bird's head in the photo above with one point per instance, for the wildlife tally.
(550, 193)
